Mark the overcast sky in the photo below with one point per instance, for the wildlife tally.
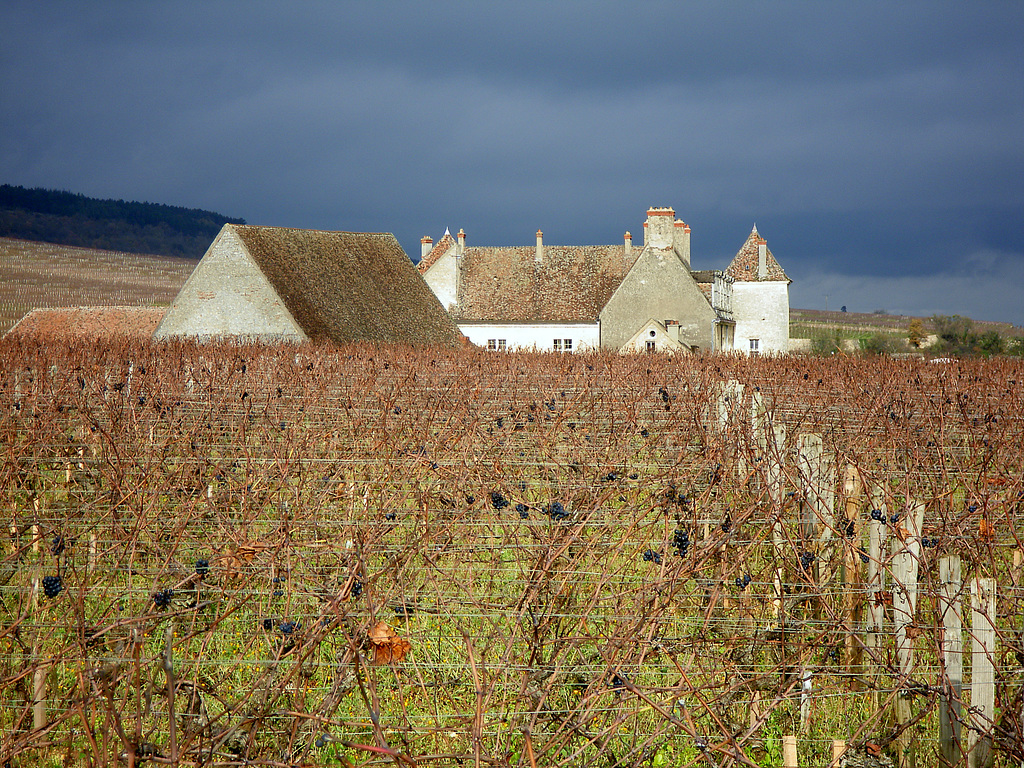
(878, 146)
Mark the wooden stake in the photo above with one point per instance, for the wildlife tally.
(789, 754)
(952, 644)
(983, 691)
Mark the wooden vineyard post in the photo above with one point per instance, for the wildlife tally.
(983, 642)
(877, 533)
(950, 585)
(776, 492)
(727, 406)
(789, 753)
(905, 563)
(817, 522)
(853, 489)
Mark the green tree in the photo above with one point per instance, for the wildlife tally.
(991, 343)
(915, 333)
(956, 335)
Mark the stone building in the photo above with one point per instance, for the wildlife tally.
(279, 284)
(619, 297)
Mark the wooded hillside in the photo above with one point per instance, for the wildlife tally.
(66, 218)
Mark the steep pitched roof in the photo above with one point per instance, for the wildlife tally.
(743, 267)
(572, 285)
(349, 286)
(89, 322)
(439, 249)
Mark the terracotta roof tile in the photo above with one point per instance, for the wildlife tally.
(744, 265)
(439, 249)
(572, 285)
(90, 322)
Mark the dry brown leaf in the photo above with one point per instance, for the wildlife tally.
(985, 529)
(387, 646)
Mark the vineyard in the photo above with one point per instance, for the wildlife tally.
(34, 275)
(283, 556)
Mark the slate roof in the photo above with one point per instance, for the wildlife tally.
(89, 322)
(743, 267)
(572, 285)
(349, 286)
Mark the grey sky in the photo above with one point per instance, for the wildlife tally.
(879, 146)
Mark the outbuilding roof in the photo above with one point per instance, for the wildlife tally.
(349, 286)
(89, 322)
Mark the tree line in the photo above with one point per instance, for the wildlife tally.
(67, 218)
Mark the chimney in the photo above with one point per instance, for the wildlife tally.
(426, 246)
(539, 258)
(681, 240)
(762, 258)
(629, 245)
(460, 247)
(659, 227)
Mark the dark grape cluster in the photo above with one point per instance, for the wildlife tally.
(287, 627)
(806, 559)
(523, 510)
(556, 511)
(268, 624)
(727, 522)
(894, 518)
(743, 581)
(876, 514)
(57, 546)
(610, 477)
(863, 555)
(681, 541)
(390, 517)
(972, 508)
(202, 566)
(162, 599)
(357, 589)
(498, 500)
(52, 586)
(929, 543)
(850, 530)
(651, 556)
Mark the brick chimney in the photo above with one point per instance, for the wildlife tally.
(681, 240)
(539, 257)
(460, 247)
(629, 245)
(426, 246)
(660, 227)
(762, 258)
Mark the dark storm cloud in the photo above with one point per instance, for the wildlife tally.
(872, 143)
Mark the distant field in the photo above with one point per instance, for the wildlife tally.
(807, 323)
(36, 275)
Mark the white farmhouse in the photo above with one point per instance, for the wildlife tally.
(619, 297)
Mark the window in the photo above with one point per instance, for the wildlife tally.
(492, 344)
(567, 344)
(557, 345)
(501, 345)
(652, 346)
(755, 346)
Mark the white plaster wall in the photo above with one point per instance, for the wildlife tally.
(528, 336)
(228, 296)
(442, 278)
(761, 311)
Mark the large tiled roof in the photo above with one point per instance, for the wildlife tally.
(349, 286)
(744, 265)
(89, 322)
(572, 285)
